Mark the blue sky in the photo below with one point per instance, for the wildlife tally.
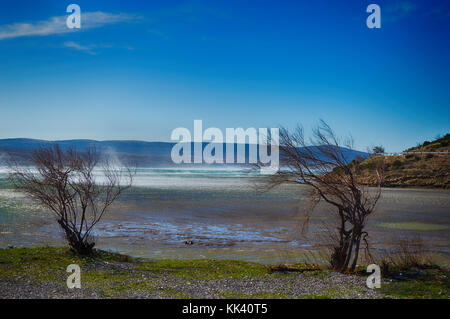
(139, 69)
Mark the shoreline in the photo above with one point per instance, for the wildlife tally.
(41, 273)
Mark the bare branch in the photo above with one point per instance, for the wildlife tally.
(324, 164)
(65, 183)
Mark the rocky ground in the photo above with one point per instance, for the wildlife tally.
(310, 284)
(41, 273)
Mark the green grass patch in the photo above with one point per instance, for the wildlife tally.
(47, 263)
(107, 274)
(114, 283)
(41, 264)
(207, 269)
(433, 284)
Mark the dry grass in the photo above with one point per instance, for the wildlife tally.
(410, 253)
(413, 170)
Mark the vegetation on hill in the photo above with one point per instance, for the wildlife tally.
(441, 144)
(412, 170)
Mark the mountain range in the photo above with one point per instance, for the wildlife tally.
(140, 153)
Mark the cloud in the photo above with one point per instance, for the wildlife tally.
(79, 47)
(90, 48)
(93, 49)
(57, 25)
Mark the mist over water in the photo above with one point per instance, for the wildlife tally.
(176, 177)
(193, 177)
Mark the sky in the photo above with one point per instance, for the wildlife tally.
(136, 70)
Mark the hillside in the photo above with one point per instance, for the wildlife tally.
(412, 169)
(140, 153)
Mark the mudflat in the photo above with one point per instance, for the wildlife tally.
(228, 218)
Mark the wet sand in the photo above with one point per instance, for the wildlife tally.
(228, 218)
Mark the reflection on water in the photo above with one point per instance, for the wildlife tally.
(224, 216)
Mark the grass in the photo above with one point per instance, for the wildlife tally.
(428, 283)
(206, 269)
(20, 261)
(48, 264)
(115, 275)
(41, 263)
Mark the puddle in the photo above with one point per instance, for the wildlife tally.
(177, 233)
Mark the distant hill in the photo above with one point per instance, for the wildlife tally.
(414, 169)
(140, 153)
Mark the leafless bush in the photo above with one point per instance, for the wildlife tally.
(324, 166)
(409, 253)
(64, 183)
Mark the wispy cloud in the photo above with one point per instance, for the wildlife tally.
(79, 47)
(93, 49)
(57, 25)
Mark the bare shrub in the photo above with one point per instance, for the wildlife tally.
(409, 253)
(64, 183)
(385, 267)
(324, 166)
